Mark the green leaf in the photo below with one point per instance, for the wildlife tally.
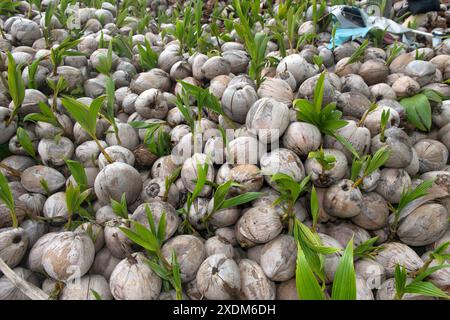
(240, 199)
(176, 273)
(202, 171)
(409, 194)
(418, 111)
(377, 160)
(346, 144)
(318, 92)
(307, 285)
(366, 248)
(161, 233)
(25, 141)
(5, 192)
(80, 112)
(433, 95)
(15, 82)
(400, 280)
(96, 295)
(430, 271)
(356, 169)
(344, 284)
(426, 289)
(78, 172)
(159, 270)
(359, 53)
(138, 238)
(120, 208)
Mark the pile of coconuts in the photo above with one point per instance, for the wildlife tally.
(245, 252)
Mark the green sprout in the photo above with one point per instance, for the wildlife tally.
(8, 199)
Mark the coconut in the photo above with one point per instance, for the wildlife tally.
(215, 66)
(424, 225)
(421, 71)
(219, 278)
(13, 245)
(133, 279)
(68, 255)
(374, 212)
(247, 176)
(153, 79)
(358, 137)
(237, 100)
(396, 253)
(331, 261)
(374, 71)
(151, 104)
(268, 119)
(344, 231)
(373, 119)
(258, 225)
(432, 155)
(238, 60)
(254, 283)
(54, 152)
(33, 177)
(405, 87)
(381, 91)
(302, 137)
(298, 66)
(19, 163)
(281, 161)
(83, 289)
(353, 104)
(276, 89)
(278, 258)
(371, 272)
(392, 183)
(287, 290)
(117, 179)
(342, 200)
(398, 143)
(104, 263)
(189, 172)
(218, 245)
(190, 252)
(355, 83)
(115, 240)
(324, 177)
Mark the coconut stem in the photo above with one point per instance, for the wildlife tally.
(15, 223)
(358, 182)
(13, 115)
(423, 268)
(103, 151)
(12, 171)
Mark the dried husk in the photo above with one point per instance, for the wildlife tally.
(278, 258)
(254, 283)
(133, 279)
(218, 278)
(394, 253)
(190, 251)
(68, 255)
(258, 225)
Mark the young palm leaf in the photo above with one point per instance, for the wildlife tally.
(344, 284)
(25, 141)
(86, 117)
(8, 199)
(16, 87)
